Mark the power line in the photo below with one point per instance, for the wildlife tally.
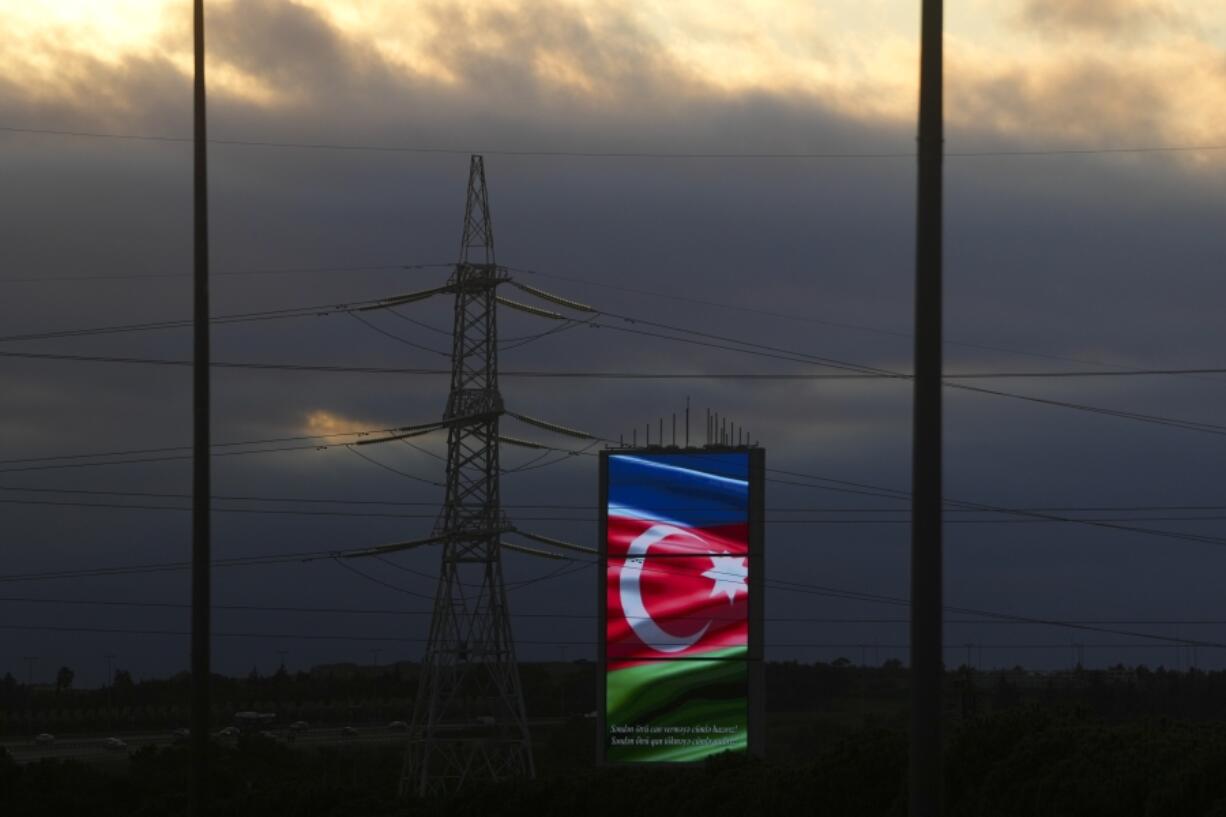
(161, 567)
(398, 314)
(621, 154)
(541, 462)
(320, 311)
(45, 466)
(656, 294)
(866, 489)
(143, 276)
(567, 615)
(170, 567)
(541, 643)
(546, 374)
(303, 367)
(509, 344)
(759, 348)
(808, 318)
(893, 600)
(393, 336)
(587, 520)
(781, 585)
(548, 643)
(1123, 508)
(38, 463)
(721, 342)
(779, 353)
(763, 350)
(1111, 525)
(344, 563)
(637, 291)
(392, 469)
(233, 444)
(812, 589)
(422, 450)
(838, 486)
(167, 458)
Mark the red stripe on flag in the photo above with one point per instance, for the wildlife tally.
(681, 613)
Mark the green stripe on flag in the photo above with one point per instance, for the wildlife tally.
(678, 711)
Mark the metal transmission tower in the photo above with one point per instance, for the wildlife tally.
(469, 720)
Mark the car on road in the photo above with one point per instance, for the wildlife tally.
(348, 731)
(114, 745)
(254, 721)
(298, 726)
(229, 732)
(181, 735)
(44, 738)
(398, 726)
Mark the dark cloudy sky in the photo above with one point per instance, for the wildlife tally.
(1081, 261)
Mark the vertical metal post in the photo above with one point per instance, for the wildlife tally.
(201, 482)
(926, 549)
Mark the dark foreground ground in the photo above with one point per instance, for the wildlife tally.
(1025, 761)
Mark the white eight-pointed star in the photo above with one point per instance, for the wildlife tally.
(728, 573)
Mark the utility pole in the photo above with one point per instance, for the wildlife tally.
(374, 675)
(201, 476)
(29, 659)
(926, 497)
(109, 683)
(469, 720)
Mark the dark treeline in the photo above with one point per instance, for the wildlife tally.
(1114, 692)
(329, 695)
(348, 693)
(332, 694)
(1025, 761)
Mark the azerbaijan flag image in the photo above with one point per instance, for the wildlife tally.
(677, 606)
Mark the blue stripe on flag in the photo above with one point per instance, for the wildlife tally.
(689, 490)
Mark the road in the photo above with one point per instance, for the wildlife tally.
(93, 747)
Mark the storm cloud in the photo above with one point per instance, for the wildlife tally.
(1053, 262)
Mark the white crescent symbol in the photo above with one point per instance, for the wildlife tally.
(632, 596)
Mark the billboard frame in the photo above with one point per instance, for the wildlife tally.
(755, 664)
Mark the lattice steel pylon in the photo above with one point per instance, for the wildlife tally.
(469, 720)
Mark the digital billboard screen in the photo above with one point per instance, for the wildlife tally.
(680, 581)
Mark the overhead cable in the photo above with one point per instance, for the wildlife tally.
(531, 310)
(549, 296)
(548, 426)
(618, 154)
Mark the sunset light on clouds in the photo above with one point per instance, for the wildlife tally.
(741, 169)
(1035, 72)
